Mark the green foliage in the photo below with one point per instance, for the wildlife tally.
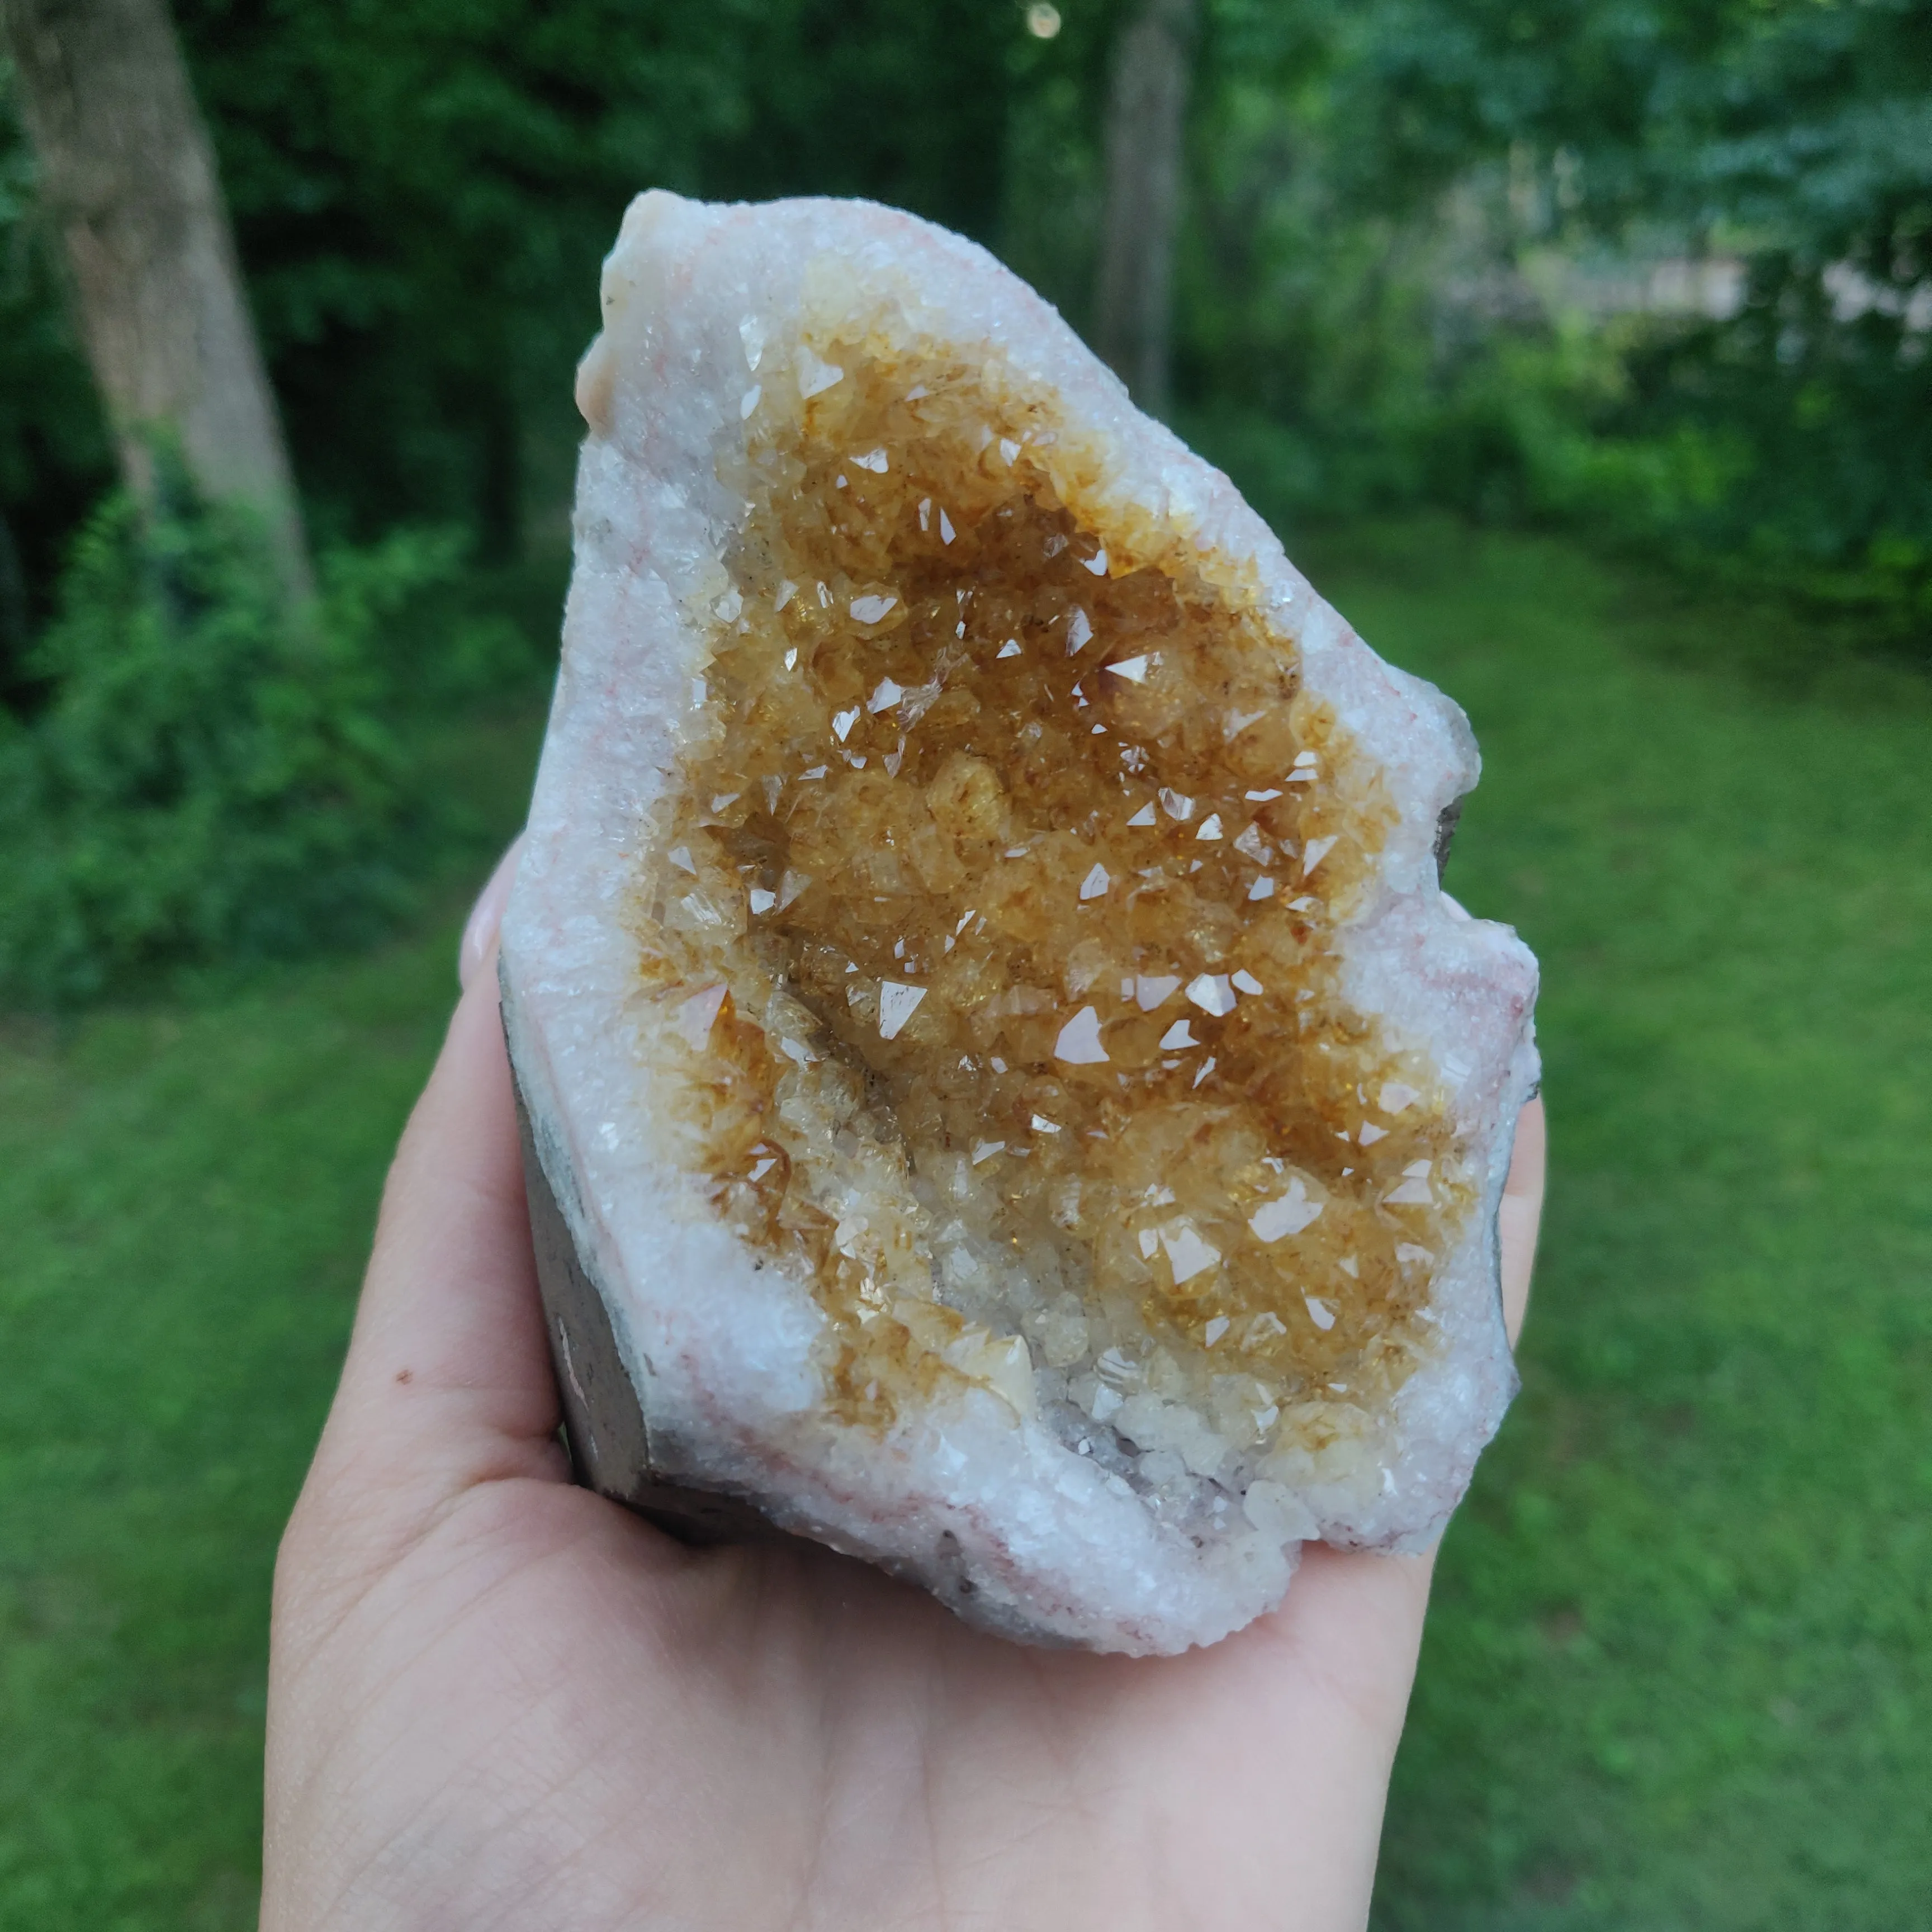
(214, 775)
(1830, 493)
(422, 193)
(1390, 206)
(423, 190)
(1396, 203)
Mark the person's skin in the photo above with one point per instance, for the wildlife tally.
(497, 1701)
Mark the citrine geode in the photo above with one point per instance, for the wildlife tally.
(1005, 1093)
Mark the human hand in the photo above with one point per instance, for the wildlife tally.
(496, 1700)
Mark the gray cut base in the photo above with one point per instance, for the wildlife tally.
(604, 1425)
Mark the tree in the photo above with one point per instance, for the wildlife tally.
(1146, 109)
(1794, 433)
(422, 193)
(128, 177)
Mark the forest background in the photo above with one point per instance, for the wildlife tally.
(1657, 272)
(1578, 349)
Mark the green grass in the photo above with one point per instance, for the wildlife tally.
(186, 1192)
(1678, 1673)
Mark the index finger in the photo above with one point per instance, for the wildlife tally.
(1521, 1213)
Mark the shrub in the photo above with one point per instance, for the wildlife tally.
(213, 773)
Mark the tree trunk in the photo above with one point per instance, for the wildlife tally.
(1146, 110)
(127, 173)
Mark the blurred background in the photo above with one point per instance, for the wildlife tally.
(1578, 351)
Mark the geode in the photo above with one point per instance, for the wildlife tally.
(1005, 1095)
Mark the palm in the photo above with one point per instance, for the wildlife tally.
(499, 1701)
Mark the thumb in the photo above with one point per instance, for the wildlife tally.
(448, 1382)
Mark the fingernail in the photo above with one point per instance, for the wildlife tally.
(479, 933)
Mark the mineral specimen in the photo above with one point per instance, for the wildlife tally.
(1004, 1093)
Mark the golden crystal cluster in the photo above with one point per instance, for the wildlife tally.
(993, 916)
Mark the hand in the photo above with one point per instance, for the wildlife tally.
(497, 1701)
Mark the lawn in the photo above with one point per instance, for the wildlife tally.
(1679, 1674)
(187, 1191)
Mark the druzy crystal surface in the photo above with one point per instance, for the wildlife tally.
(995, 1051)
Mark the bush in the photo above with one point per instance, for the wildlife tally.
(214, 773)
